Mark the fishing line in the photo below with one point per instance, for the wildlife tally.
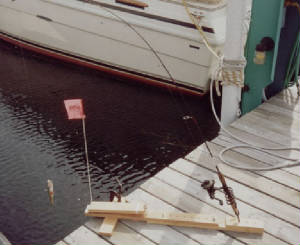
(167, 71)
(87, 158)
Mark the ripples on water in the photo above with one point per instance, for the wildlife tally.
(133, 131)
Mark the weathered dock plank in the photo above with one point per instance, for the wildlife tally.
(84, 236)
(122, 234)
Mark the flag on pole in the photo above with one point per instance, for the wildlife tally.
(74, 109)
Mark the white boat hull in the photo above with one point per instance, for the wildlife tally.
(90, 35)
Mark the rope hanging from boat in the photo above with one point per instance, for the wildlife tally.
(229, 72)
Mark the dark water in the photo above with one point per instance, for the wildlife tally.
(133, 132)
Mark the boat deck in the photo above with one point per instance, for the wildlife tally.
(272, 197)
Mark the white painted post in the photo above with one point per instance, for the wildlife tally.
(236, 32)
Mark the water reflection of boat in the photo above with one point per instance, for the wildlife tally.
(96, 33)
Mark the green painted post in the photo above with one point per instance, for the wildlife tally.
(266, 21)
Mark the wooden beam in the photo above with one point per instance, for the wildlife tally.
(213, 222)
(116, 207)
(109, 223)
(137, 217)
(182, 219)
(108, 226)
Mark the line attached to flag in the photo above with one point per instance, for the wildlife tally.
(74, 109)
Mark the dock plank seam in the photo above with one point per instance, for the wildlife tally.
(103, 237)
(141, 234)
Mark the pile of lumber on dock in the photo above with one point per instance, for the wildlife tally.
(113, 211)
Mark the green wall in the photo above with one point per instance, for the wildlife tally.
(266, 20)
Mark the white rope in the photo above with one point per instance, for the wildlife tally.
(268, 150)
(234, 75)
(87, 158)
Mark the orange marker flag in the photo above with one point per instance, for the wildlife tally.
(74, 109)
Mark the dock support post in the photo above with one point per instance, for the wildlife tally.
(236, 31)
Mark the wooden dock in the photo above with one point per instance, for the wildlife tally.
(272, 197)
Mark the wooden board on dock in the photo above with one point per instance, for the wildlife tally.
(116, 207)
(114, 211)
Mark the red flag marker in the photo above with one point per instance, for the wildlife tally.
(74, 109)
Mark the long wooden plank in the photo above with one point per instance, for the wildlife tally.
(259, 141)
(83, 235)
(115, 216)
(275, 226)
(122, 235)
(116, 207)
(185, 202)
(183, 219)
(242, 192)
(203, 221)
(200, 235)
